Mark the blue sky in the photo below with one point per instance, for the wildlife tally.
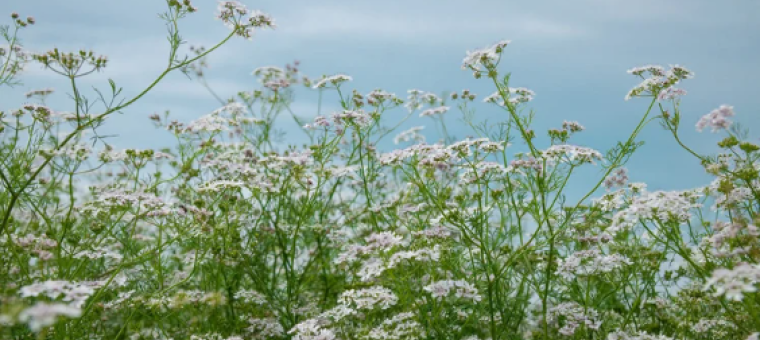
(573, 54)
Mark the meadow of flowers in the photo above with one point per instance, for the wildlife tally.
(232, 234)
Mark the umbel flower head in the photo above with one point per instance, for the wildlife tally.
(717, 119)
(232, 12)
(733, 283)
(72, 63)
(658, 81)
(485, 57)
(334, 81)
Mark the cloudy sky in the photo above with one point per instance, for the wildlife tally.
(573, 54)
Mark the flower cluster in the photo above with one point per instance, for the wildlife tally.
(734, 283)
(462, 290)
(232, 12)
(658, 81)
(717, 119)
(241, 230)
(487, 57)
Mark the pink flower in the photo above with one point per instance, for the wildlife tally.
(717, 119)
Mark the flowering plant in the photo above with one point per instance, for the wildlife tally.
(232, 234)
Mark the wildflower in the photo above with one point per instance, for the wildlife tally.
(654, 70)
(100, 252)
(265, 328)
(420, 255)
(658, 80)
(484, 170)
(726, 238)
(410, 135)
(434, 111)
(379, 96)
(321, 121)
(120, 199)
(417, 98)
(208, 123)
(358, 117)
(434, 232)
(716, 119)
(41, 92)
(219, 185)
(231, 13)
(733, 283)
(617, 179)
(42, 314)
(620, 335)
(462, 290)
(590, 262)
(487, 57)
(268, 72)
(573, 153)
(572, 126)
(662, 205)
(368, 298)
(574, 316)
(233, 109)
(335, 80)
(435, 155)
(515, 95)
(711, 325)
(311, 330)
(400, 326)
(383, 241)
(250, 296)
(671, 93)
(530, 163)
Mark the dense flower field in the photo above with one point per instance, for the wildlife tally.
(233, 235)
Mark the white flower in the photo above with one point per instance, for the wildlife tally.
(311, 330)
(654, 70)
(417, 98)
(572, 153)
(658, 81)
(671, 93)
(484, 57)
(231, 13)
(664, 205)
(717, 119)
(369, 298)
(332, 80)
(733, 283)
(266, 328)
(358, 117)
(575, 316)
(73, 292)
(434, 111)
(233, 109)
(410, 135)
(42, 315)
(462, 290)
(383, 241)
(400, 326)
(590, 262)
(516, 95)
(250, 296)
(208, 123)
(219, 185)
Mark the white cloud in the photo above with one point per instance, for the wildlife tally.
(342, 22)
